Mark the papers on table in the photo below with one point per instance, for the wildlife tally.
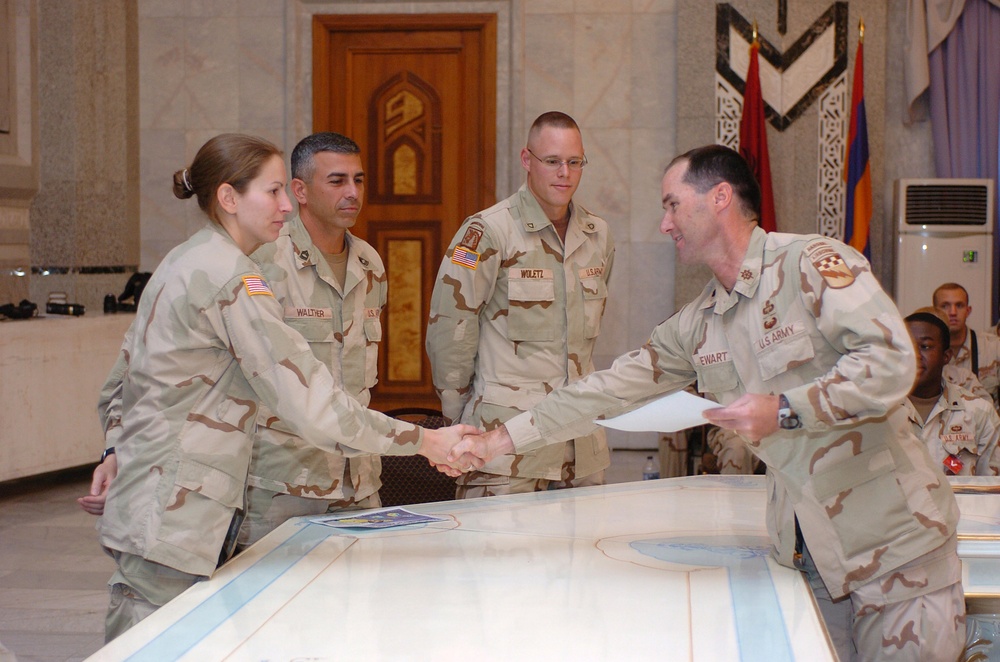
(379, 519)
(677, 411)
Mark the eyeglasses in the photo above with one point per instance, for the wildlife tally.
(552, 163)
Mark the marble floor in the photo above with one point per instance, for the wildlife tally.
(53, 574)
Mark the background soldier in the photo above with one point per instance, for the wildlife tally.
(960, 429)
(332, 286)
(977, 352)
(516, 310)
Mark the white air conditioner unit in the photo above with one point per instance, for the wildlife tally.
(944, 234)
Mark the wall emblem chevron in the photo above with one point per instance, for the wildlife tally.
(792, 80)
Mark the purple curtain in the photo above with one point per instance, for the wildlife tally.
(965, 105)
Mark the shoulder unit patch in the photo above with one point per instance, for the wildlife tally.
(473, 234)
(830, 265)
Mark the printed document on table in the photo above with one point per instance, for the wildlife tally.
(379, 519)
(677, 411)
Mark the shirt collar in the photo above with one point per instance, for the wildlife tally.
(951, 397)
(747, 279)
(533, 219)
(308, 255)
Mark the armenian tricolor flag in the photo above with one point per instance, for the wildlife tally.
(857, 172)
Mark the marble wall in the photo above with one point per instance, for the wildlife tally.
(18, 144)
(84, 219)
(206, 68)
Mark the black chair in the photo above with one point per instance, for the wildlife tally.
(410, 479)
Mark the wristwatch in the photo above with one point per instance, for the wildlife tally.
(106, 453)
(787, 418)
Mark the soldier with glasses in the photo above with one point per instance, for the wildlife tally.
(516, 311)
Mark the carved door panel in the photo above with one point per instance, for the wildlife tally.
(417, 93)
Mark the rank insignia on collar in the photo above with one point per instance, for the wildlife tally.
(746, 274)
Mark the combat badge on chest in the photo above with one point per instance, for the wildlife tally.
(769, 319)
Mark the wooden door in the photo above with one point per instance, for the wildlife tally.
(418, 95)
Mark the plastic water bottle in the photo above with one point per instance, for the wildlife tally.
(650, 471)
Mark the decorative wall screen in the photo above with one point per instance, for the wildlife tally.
(812, 70)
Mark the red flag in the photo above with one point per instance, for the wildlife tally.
(857, 172)
(753, 140)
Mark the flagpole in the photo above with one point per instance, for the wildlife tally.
(753, 135)
(857, 167)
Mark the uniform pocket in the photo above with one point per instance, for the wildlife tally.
(519, 397)
(210, 482)
(778, 357)
(198, 515)
(595, 295)
(312, 329)
(529, 302)
(717, 378)
(373, 336)
(864, 501)
(321, 334)
(955, 444)
(373, 330)
(500, 403)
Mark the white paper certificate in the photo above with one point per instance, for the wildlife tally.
(677, 411)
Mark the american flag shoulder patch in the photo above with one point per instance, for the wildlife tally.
(465, 258)
(256, 285)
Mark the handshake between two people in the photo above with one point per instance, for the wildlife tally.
(461, 448)
(453, 451)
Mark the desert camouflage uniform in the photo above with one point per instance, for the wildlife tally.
(289, 478)
(988, 347)
(515, 322)
(806, 318)
(731, 451)
(208, 346)
(960, 427)
(967, 380)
